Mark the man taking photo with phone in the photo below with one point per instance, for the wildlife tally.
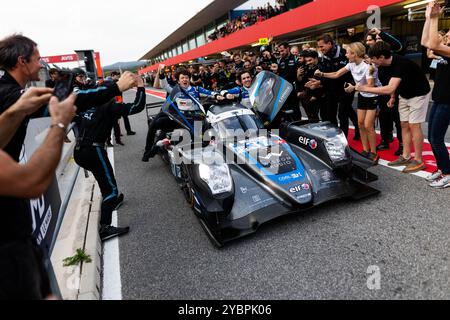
(22, 272)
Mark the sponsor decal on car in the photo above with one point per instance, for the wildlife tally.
(296, 189)
(312, 143)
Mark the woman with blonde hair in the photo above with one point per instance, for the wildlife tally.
(364, 74)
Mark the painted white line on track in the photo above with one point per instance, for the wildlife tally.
(112, 284)
(420, 174)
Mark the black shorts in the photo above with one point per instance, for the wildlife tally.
(365, 103)
(22, 272)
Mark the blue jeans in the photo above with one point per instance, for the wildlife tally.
(437, 128)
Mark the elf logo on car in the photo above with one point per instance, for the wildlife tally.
(308, 142)
(295, 189)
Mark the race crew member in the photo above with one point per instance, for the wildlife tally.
(162, 120)
(334, 59)
(311, 98)
(20, 64)
(242, 91)
(287, 69)
(12, 87)
(90, 153)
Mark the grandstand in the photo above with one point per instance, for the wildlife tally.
(302, 23)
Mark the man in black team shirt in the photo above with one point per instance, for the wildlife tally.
(408, 79)
(19, 64)
(22, 272)
(95, 127)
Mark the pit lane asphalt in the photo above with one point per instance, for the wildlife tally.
(322, 254)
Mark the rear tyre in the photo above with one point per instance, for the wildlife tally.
(186, 186)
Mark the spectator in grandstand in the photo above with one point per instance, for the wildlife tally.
(364, 74)
(53, 73)
(282, 5)
(440, 112)
(414, 89)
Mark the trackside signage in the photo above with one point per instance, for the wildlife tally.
(63, 58)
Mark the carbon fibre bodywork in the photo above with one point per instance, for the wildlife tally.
(257, 178)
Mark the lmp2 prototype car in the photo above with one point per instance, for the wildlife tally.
(237, 182)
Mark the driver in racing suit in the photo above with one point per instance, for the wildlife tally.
(187, 96)
(243, 91)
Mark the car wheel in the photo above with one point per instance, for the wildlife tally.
(186, 186)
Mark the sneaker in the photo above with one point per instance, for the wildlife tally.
(442, 182)
(374, 157)
(109, 232)
(131, 133)
(399, 152)
(383, 146)
(401, 161)
(119, 201)
(414, 166)
(120, 142)
(434, 176)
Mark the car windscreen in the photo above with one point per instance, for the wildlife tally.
(268, 94)
(230, 127)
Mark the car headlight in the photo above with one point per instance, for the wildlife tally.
(217, 176)
(337, 147)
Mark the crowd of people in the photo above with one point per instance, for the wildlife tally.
(248, 19)
(325, 79)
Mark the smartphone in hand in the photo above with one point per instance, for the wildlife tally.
(64, 85)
